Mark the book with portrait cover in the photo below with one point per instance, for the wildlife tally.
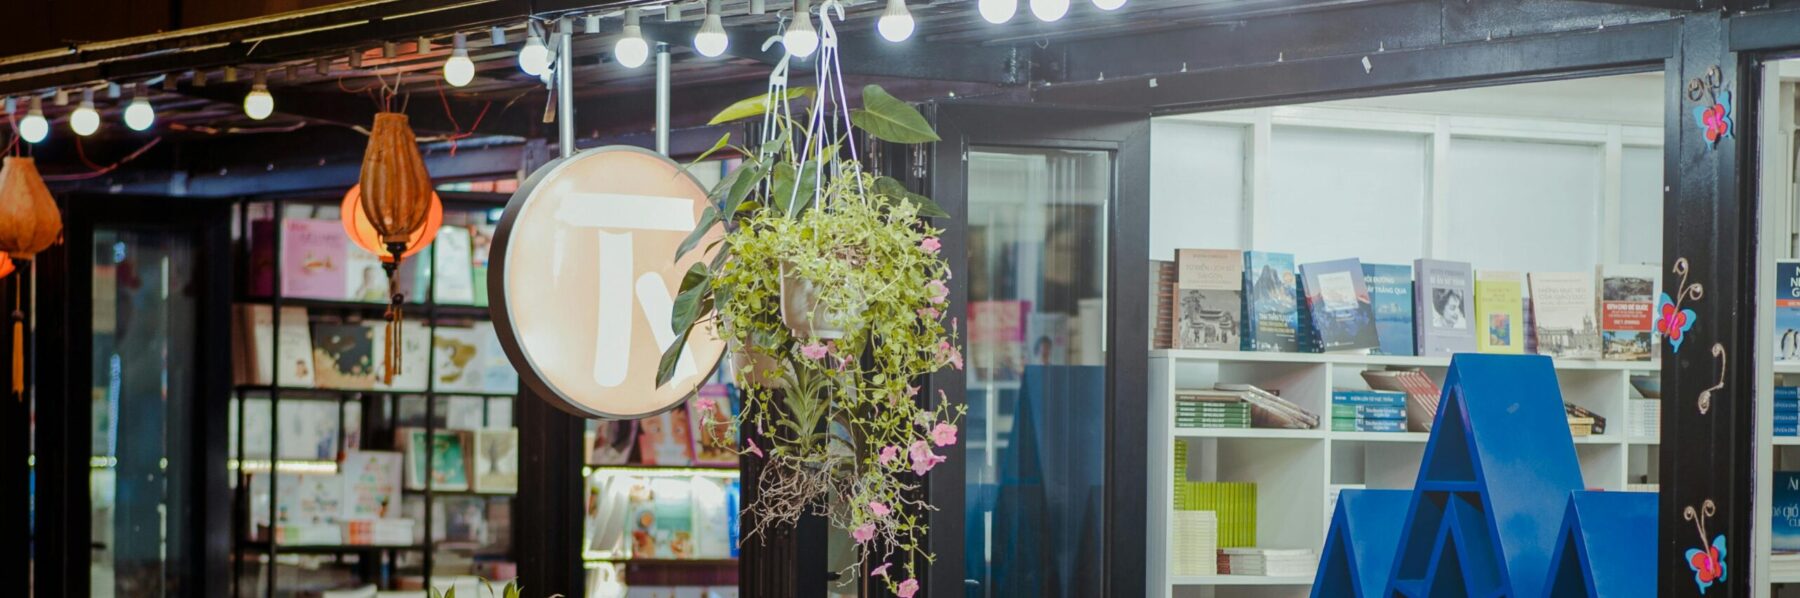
(1271, 308)
(1787, 311)
(1338, 301)
(1499, 312)
(663, 438)
(1562, 310)
(1443, 302)
(1627, 312)
(1390, 291)
(1208, 298)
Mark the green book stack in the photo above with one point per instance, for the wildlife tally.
(1234, 502)
(1211, 409)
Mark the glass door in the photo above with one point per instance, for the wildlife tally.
(1047, 219)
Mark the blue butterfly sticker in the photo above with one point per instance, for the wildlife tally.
(1715, 119)
(1672, 321)
(1708, 565)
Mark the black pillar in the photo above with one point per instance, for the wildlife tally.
(551, 500)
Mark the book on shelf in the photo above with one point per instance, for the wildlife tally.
(441, 458)
(1352, 411)
(1643, 418)
(1391, 294)
(495, 460)
(1648, 386)
(453, 281)
(1194, 543)
(1499, 312)
(1337, 298)
(260, 343)
(308, 508)
(611, 442)
(661, 519)
(1268, 410)
(344, 355)
(1162, 304)
(470, 359)
(1596, 423)
(415, 355)
(663, 438)
(364, 277)
(712, 536)
(1563, 314)
(1271, 309)
(314, 256)
(481, 241)
(1361, 424)
(1627, 311)
(371, 484)
(996, 343)
(1209, 302)
(1269, 562)
(1421, 394)
(710, 429)
(1784, 530)
(1357, 397)
(1787, 311)
(1233, 503)
(1443, 301)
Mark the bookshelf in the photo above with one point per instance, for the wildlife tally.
(1294, 469)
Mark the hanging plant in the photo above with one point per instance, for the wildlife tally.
(830, 291)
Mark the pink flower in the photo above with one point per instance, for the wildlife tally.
(878, 509)
(951, 355)
(888, 454)
(863, 534)
(930, 245)
(880, 571)
(815, 351)
(753, 450)
(907, 588)
(911, 391)
(944, 434)
(929, 313)
(939, 291)
(922, 457)
(704, 405)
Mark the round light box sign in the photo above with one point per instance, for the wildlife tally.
(583, 277)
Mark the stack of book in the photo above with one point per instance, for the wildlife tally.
(1211, 409)
(1269, 562)
(1234, 504)
(1643, 418)
(1421, 394)
(1368, 411)
(1269, 410)
(1194, 542)
(1582, 421)
(1787, 411)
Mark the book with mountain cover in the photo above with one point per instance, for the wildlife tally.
(1271, 310)
(1499, 312)
(1443, 303)
(1209, 298)
(1391, 293)
(1627, 312)
(1563, 309)
(1339, 303)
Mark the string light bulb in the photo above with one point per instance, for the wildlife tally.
(1109, 4)
(711, 40)
(631, 50)
(997, 11)
(896, 23)
(459, 70)
(34, 127)
(534, 58)
(138, 114)
(1049, 11)
(258, 104)
(85, 120)
(800, 39)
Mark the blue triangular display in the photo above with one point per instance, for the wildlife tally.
(1606, 544)
(1359, 549)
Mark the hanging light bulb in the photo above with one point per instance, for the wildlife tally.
(1049, 10)
(711, 40)
(997, 11)
(800, 38)
(896, 22)
(631, 50)
(85, 120)
(1109, 4)
(34, 127)
(138, 114)
(258, 104)
(534, 58)
(459, 70)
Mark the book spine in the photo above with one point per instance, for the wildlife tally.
(1367, 398)
(1371, 411)
(1788, 393)
(1787, 406)
(1787, 418)
(1367, 425)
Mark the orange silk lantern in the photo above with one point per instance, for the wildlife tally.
(29, 223)
(356, 224)
(396, 201)
(6, 265)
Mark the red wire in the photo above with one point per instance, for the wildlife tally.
(459, 133)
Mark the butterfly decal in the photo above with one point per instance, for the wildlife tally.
(1709, 564)
(1715, 120)
(1673, 321)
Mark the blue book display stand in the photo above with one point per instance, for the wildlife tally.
(1605, 547)
(1359, 549)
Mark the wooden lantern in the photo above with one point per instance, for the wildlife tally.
(396, 200)
(29, 223)
(357, 226)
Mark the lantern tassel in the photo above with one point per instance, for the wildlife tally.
(18, 341)
(392, 358)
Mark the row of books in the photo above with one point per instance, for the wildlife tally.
(1231, 300)
(1356, 410)
(1228, 405)
(1232, 503)
(660, 516)
(1787, 411)
(347, 354)
(684, 436)
(319, 261)
(485, 461)
(320, 430)
(1268, 562)
(1784, 529)
(1643, 418)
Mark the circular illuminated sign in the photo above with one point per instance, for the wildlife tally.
(584, 276)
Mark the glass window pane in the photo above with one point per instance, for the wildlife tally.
(1036, 381)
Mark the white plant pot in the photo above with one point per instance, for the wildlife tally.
(804, 313)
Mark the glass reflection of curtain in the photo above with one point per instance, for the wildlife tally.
(1050, 499)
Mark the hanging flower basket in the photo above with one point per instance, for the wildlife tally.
(803, 312)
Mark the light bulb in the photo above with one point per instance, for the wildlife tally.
(85, 120)
(800, 38)
(711, 40)
(1109, 4)
(138, 114)
(258, 104)
(896, 22)
(1049, 10)
(34, 127)
(997, 11)
(459, 70)
(534, 58)
(631, 50)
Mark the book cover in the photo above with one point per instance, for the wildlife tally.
(292, 344)
(496, 460)
(1784, 531)
(1367, 397)
(465, 521)
(612, 441)
(344, 356)
(1499, 311)
(608, 506)
(469, 359)
(1563, 309)
(1443, 299)
(712, 533)
(481, 239)
(364, 278)
(371, 484)
(441, 458)
(1047, 338)
(1390, 292)
(415, 355)
(1351, 411)
(1421, 394)
(1271, 310)
(1338, 300)
(997, 339)
(308, 429)
(262, 258)
(1627, 312)
(1209, 302)
(662, 520)
(1162, 304)
(452, 277)
(715, 443)
(1787, 311)
(313, 258)
(663, 438)
(1358, 424)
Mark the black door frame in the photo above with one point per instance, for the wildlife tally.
(64, 341)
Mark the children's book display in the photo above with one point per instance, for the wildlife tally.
(337, 353)
(658, 516)
(319, 261)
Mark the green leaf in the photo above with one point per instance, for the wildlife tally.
(665, 369)
(747, 177)
(889, 119)
(719, 145)
(512, 590)
(694, 287)
(708, 219)
(783, 182)
(895, 189)
(450, 593)
(756, 106)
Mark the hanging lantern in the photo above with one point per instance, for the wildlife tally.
(396, 201)
(6, 265)
(29, 223)
(356, 225)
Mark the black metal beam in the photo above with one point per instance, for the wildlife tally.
(869, 56)
(1764, 31)
(1681, 5)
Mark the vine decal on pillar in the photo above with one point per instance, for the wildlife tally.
(1707, 561)
(1714, 111)
(1704, 400)
(1673, 321)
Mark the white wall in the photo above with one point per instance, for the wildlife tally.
(1196, 184)
(1525, 206)
(1347, 193)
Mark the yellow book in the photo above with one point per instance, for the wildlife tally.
(1499, 311)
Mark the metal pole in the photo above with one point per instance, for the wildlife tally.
(662, 98)
(565, 89)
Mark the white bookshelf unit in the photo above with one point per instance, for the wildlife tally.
(1293, 469)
